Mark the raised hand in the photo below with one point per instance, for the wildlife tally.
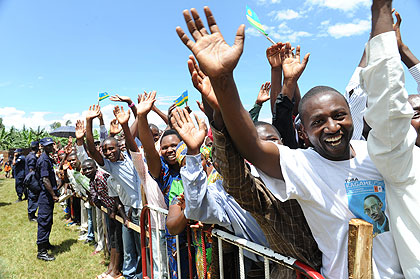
(274, 56)
(202, 83)
(292, 66)
(264, 94)
(118, 98)
(397, 30)
(93, 112)
(121, 116)
(184, 125)
(215, 56)
(114, 128)
(80, 129)
(146, 103)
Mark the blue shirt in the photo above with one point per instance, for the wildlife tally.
(20, 167)
(31, 161)
(208, 202)
(169, 182)
(124, 172)
(44, 168)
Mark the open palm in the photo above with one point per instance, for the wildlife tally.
(213, 54)
(190, 134)
(121, 115)
(93, 112)
(146, 103)
(80, 129)
(292, 66)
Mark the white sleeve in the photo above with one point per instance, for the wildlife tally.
(152, 191)
(391, 140)
(415, 72)
(81, 153)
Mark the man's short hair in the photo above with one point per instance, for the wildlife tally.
(111, 139)
(153, 126)
(88, 160)
(373, 196)
(312, 93)
(262, 123)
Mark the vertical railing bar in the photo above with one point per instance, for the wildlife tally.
(220, 246)
(266, 268)
(178, 256)
(158, 244)
(241, 263)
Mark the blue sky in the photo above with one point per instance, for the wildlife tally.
(57, 55)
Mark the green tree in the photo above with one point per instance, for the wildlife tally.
(68, 122)
(1, 123)
(55, 125)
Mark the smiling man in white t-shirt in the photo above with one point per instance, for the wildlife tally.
(331, 179)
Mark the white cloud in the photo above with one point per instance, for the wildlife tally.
(40, 77)
(5, 83)
(285, 14)
(343, 5)
(264, 2)
(340, 30)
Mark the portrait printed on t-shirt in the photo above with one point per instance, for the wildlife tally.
(367, 201)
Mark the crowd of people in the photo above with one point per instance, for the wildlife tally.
(292, 185)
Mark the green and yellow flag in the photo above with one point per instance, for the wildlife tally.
(254, 20)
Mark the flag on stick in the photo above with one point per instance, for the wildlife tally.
(182, 99)
(103, 96)
(255, 21)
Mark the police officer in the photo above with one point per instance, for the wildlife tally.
(46, 200)
(19, 170)
(33, 190)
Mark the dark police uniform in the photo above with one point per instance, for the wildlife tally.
(44, 168)
(31, 161)
(20, 172)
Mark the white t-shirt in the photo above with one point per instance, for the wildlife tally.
(330, 194)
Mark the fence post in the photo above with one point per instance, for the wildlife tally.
(360, 249)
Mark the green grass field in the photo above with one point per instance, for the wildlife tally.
(18, 248)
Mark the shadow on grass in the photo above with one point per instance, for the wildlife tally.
(64, 246)
(5, 203)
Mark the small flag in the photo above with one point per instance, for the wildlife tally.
(254, 20)
(182, 99)
(103, 96)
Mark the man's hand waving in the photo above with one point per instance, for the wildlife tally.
(214, 55)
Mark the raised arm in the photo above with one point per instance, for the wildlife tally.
(92, 113)
(146, 137)
(123, 118)
(274, 58)
(218, 60)
(262, 97)
(161, 114)
(125, 99)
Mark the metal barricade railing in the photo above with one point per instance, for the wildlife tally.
(302, 270)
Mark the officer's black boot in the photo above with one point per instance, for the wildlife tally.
(32, 217)
(43, 254)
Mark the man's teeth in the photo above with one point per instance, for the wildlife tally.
(335, 140)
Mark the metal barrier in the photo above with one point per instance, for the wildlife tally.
(267, 254)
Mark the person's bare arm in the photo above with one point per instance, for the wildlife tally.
(161, 114)
(146, 137)
(292, 69)
(125, 99)
(92, 113)
(176, 221)
(218, 60)
(47, 184)
(274, 58)
(407, 56)
(123, 118)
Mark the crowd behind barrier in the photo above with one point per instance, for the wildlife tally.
(266, 200)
